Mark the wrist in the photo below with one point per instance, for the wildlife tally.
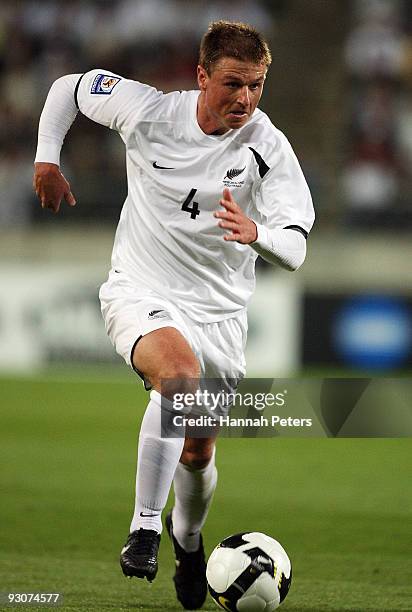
(50, 165)
(255, 232)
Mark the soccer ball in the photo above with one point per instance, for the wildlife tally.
(249, 572)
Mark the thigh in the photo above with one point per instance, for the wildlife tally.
(223, 346)
(146, 330)
(223, 362)
(165, 355)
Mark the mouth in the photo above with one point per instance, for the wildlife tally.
(238, 114)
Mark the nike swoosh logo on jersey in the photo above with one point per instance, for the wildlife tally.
(161, 167)
(145, 514)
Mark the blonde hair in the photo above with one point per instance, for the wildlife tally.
(232, 39)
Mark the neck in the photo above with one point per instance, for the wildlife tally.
(209, 124)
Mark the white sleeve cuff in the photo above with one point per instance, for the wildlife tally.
(48, 150)
(58, 114)
(285, 247)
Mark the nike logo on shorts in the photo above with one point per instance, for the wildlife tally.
(161, 167)
(158, 314)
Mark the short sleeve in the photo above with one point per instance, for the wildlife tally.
(112, 100)
(283, 198)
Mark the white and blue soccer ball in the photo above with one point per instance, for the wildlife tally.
(249, 572)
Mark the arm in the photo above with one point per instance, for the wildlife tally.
(285, 209)
(58, 114)
(104, 97)
(282, 207)
(282, 246)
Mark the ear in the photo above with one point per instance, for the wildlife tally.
(202, 78)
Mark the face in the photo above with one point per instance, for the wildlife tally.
(229, 95)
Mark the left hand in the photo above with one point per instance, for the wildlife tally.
(242, 228)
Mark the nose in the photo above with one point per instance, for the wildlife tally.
(244, 96)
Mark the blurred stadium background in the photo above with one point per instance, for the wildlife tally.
(340, 87)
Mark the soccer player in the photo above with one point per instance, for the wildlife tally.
(212, 184)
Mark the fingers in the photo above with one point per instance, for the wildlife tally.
(227, 194)
(243, 237)
(238, 226)
(48, 199)
(223, 214)
(52, 205)
(231, 218)
(231, 237)
(228, 202)
(230, 205)
(70, 199)
(51, 187)
(230, 225)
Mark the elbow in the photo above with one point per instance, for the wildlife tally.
(287, 249)
(292, 266)
(293, 257)
(293, 261)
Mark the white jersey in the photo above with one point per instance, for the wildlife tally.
(167, 239)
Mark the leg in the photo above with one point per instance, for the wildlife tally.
(166, 354)
(197, 452)
(196, 475)
(161, 354)
(194, 485)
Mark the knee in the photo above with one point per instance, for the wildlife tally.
(197, 453)
(181, 367)
(165, 355)
(179, 376)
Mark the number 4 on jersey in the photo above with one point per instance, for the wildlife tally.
(194, 209)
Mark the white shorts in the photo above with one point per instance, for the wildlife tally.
(130, 312)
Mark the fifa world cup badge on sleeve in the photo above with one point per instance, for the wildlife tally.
(104, 84)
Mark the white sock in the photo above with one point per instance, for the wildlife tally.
(193, 494)
(156, 464)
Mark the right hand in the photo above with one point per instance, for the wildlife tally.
(51, 186)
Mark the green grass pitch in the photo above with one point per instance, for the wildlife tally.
(342, 508)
